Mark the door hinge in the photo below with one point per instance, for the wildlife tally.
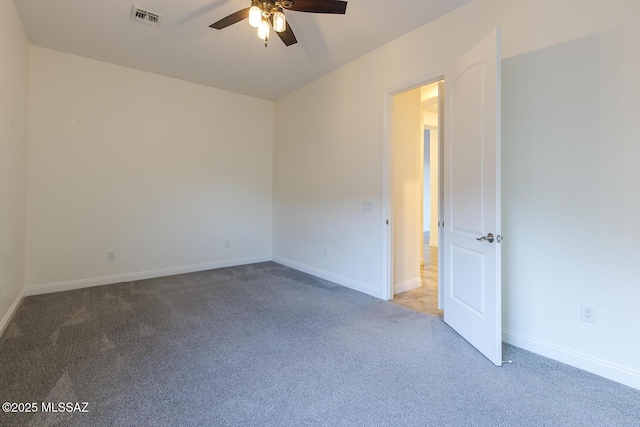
(387, 222)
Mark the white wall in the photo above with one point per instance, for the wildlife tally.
(434, 181)
(432, 121)
(426, 181)
(323, 170)
(14, 65)
(328, 157)
(161, 171)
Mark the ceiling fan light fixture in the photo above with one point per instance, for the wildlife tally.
(279, 21)
(255, 16)
(263, 29)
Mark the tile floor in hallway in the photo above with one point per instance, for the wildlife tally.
(425, 298)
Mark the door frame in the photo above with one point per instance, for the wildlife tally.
(387, 211)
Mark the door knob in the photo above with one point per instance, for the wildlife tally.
(488, 238)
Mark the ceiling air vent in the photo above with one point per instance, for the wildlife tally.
(145, 16)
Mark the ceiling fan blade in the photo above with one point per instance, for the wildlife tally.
(231, 19)
(319, 6)
(287, 36)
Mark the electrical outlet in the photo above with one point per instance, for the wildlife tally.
(111, 256)
(326, 253)
(588, 314)
(227, 244)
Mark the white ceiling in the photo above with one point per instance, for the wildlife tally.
(183, 46)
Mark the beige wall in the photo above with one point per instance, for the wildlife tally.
(329, 145)
(14, 64)
(406, 169)
(161, 171)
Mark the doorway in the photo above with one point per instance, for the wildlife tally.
(469, 231)
(415, 130)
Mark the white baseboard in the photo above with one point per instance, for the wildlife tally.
(407, 286)
(140, 275)
(603, 368)
(9, 314)
(340, 280)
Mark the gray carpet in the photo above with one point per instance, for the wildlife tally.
(264, 345)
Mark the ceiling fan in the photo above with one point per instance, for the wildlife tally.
(266, 14)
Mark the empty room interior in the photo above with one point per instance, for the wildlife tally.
(373, 213)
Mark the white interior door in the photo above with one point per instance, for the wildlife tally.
(471, 257)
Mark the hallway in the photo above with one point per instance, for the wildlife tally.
(425, 298)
